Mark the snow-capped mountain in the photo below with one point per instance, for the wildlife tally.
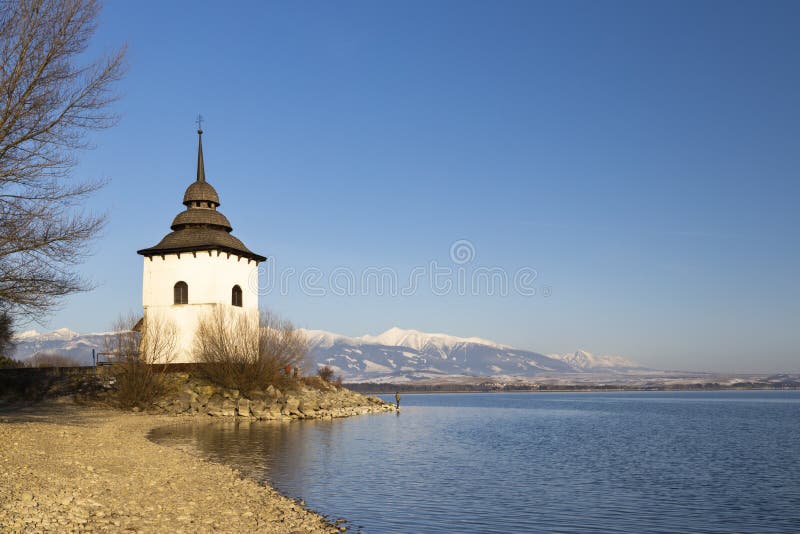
(62, 334)
(416, 355)
(586, 361)
(62, 341)
(395, 354)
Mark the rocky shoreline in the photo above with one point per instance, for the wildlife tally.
(198, 397)
(69, 467)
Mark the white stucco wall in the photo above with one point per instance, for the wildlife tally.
(210, 278)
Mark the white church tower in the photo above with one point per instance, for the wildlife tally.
(199, 266)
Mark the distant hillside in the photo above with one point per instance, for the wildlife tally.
(62, 341)
(586, 361)
(412, 355)
(394, 355)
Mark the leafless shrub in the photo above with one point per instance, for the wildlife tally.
(50, 359)
(135, 353)
(315, 382)
(326, 373)
(239, 352)
(49, 102)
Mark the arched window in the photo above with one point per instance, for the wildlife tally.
(236, 296)
(181, 293)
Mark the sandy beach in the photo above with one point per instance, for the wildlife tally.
(69, 468)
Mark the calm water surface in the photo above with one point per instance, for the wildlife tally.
(588, 462)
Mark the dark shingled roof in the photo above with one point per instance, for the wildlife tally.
(200, 227)
(201, 216)
(196, 239)
(200, 191)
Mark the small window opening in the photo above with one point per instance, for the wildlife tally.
(236, 296)
(181, 293)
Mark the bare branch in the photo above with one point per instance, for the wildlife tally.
(48, 104)
(239, 351)
(135, 348)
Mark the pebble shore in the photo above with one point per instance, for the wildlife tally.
(71, 468)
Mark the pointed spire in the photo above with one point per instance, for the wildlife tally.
(201, 171)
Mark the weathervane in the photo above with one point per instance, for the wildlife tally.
(199, 122)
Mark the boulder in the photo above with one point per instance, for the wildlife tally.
(198, 403)
(185, 400)
(243, 408)
(255, 394)
(176, 407)
(214, 406)
(291, 406)
(269, 415)
(309, 401)
(259, 409)
(228, 408)
(206, 391)
(230, 393)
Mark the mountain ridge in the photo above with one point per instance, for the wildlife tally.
(395, 354)
(414, 355)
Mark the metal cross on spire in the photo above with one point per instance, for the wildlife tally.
(199, 122)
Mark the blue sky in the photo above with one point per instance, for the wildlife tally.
(641, 157)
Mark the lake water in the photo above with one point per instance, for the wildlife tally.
(583, 462)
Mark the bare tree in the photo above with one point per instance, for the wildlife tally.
(159, 340)
(125, 340)
(140, 352)
(239, 352)
(151, 340)
(49, 102)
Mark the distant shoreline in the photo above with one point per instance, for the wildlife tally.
(386, 389)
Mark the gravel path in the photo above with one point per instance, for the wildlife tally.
(70, 468)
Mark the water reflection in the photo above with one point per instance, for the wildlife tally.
(260, 450)
(540, 462)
